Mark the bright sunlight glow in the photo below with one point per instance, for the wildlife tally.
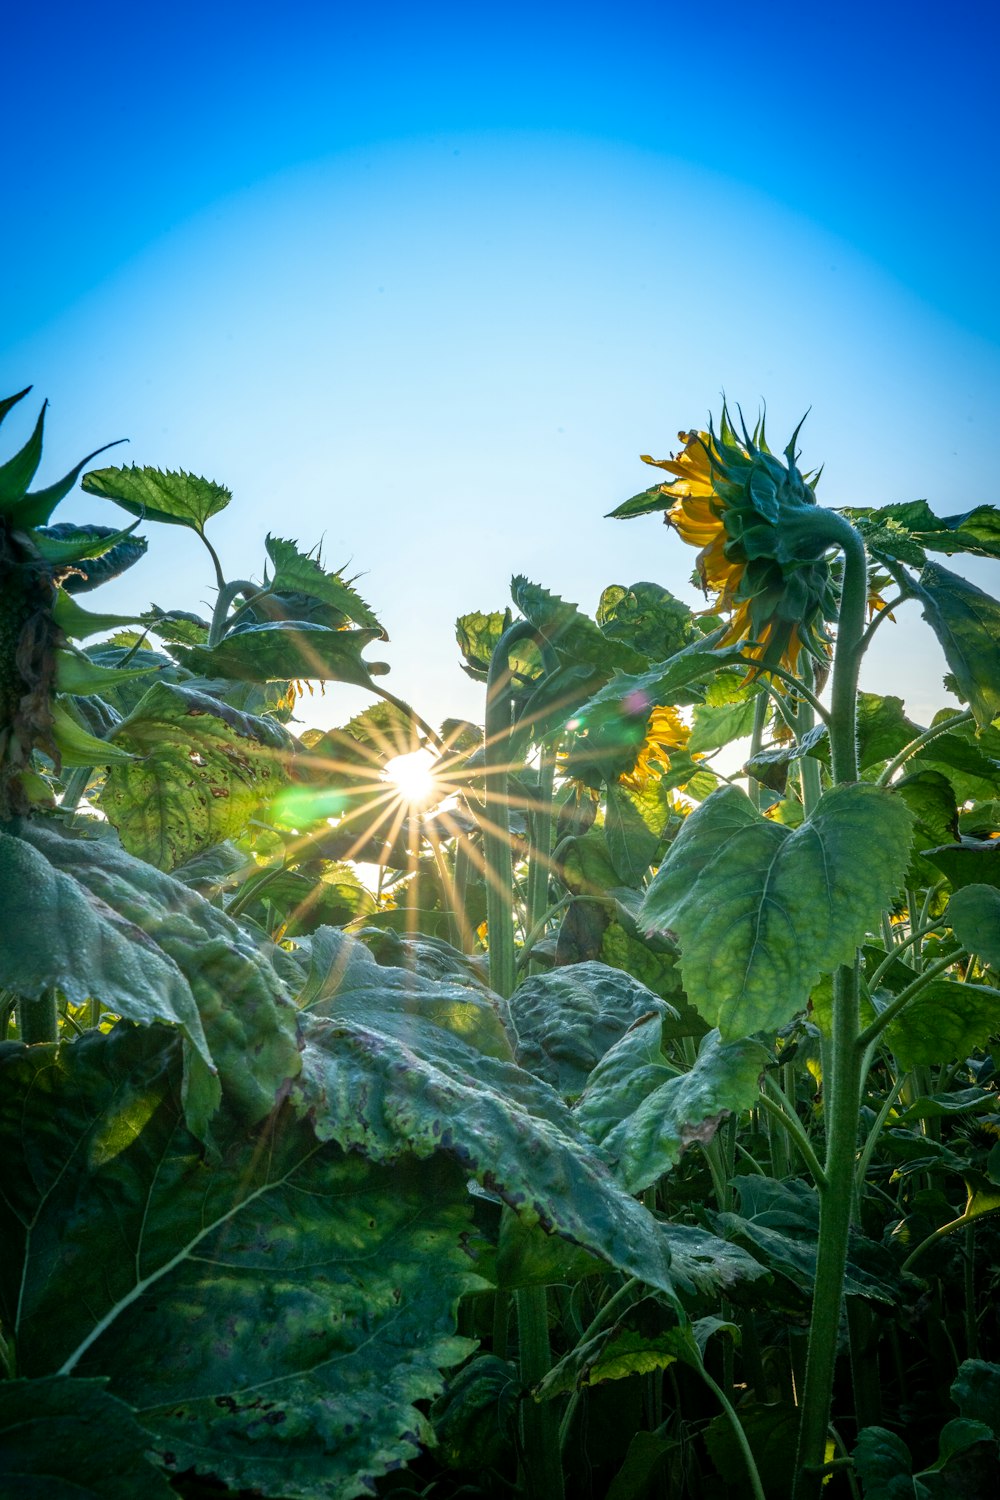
(413, 777)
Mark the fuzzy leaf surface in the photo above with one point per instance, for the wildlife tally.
(390, 1073)
(566, 1020)
(944, 1022)
(974, 915)
(205, 769)
(246, 1015)
(762, 911)
(270, 1318)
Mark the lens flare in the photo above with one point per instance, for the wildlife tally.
(413, 777)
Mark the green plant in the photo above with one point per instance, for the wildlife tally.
(715, 1063)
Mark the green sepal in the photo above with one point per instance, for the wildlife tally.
(79, 623)
(77, 747)
(17, 473)
(78, 543)
(76, 673)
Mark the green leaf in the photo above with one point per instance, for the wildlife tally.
(635, 823)
(966, 621)
(270, 1319)
(246, 1016)
(396, 1072)
(566, 1020)
(644, 1113)
(969, 862)
(945, 1021)
(177, 498)
(976, 1392)
(477, 635)
(771, 1429)
(648, 618)
(616, 1353)
(642, 504)
(474, 1419)
(65, 1439)
(974, 916)
(612, 722)
(297, 572)
(761, 912)
(286, 651)
(68, 543)
(572, 633)
(971, 767)
(883, 729)
(779, 1224)
(976, 531)
(885, 1466)
(715, 727)
(56, 936)
(205, 769)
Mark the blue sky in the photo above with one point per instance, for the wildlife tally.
(425, 282)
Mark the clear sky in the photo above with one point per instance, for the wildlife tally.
(424, 281)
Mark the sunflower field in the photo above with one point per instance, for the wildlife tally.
(597, 1101)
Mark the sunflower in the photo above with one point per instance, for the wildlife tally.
(749, 513)
(665, 731)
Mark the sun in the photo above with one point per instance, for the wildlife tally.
(413, 777)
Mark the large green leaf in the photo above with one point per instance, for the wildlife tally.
(969, 759)
(945, 1021)
(56, 935)
(966, 621)
(205, 769)
(974, 916)
(65, 1439)
(566, 1020)
(761, 911)
(248, 1020)
(718, 726)
(635, 822)
(574, 634)
(271, 1318)
(969, 862)
(287, 650)
(645, 1113)
(297, 572)
(178, 498)
(398, 1068)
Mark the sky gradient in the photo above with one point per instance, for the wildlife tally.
(425, 283)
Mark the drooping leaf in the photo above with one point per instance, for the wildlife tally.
(969, 862)
(247, 1018)
(271, 1319)
(761, 912)
(884, 1465)
(56, 936)
(644, 1112)
(566, 1020)
(389, 1073)
(966, 621)
(287, 651)
(65, 1439)
(779, 1224)
(177, 498)
(572, 633)
(204, 770)
(974, 916)
(297, 572)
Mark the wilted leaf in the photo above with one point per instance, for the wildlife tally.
(966, 621)
(247, 1018)
(566, 1020)
(644, 1112)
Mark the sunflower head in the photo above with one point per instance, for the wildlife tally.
(749, 514)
